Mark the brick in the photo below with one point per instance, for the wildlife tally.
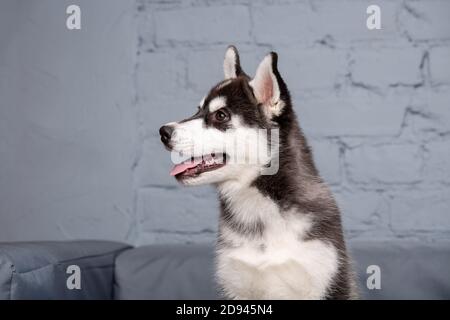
(426, 20)
(437, 163)
(215, 24)
(353, 113)
(162, 90)
(361, 210)
(440, 65)
(311, 69)
(146, 30)
(177, 209)
(385, 67)
(283, 24)
(205, 69)
(433, 113)
(154, 166)
(167, 67)
(155, 112)
(384, 164)
(327, 158)
(305, 23)
(421, 210)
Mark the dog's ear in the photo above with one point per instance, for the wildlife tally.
(231, 64)
(268, 86)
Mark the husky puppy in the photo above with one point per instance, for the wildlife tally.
(280, 233)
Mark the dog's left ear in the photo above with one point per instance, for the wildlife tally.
(232, 65)
(268, 86)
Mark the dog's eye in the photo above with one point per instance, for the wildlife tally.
(221, 116)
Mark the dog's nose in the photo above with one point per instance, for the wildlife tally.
(166, 134)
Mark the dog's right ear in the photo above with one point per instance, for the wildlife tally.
(231, 65)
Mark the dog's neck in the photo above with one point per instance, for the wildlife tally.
(250, 200)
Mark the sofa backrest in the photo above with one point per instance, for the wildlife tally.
(407, 270)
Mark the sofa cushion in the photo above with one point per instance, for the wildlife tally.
(409, 270)
(38, 270)
(165, 272)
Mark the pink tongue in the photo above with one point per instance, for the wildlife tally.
(179, 168)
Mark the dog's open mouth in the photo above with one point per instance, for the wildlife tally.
(197, 165)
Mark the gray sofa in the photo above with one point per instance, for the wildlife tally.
(110, 270)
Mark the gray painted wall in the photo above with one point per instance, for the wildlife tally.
(80, 155)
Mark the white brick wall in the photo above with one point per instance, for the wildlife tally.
(375, 105)
(384, 67)
(438, 161)
(327, 154)
(426, 210)
(364, 210)
(440, 65)
(203, 25)
(80, 111)
(193, 211)
(352, 112)
(317, 68)
(425, 20)
(378, 164)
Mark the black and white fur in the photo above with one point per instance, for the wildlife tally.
(280, 236)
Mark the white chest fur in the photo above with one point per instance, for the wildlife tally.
(280, 264)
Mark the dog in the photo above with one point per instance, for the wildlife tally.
(280, 234)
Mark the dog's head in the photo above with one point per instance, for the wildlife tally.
(234, 133)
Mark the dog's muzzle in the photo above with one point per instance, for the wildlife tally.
(166, 135)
